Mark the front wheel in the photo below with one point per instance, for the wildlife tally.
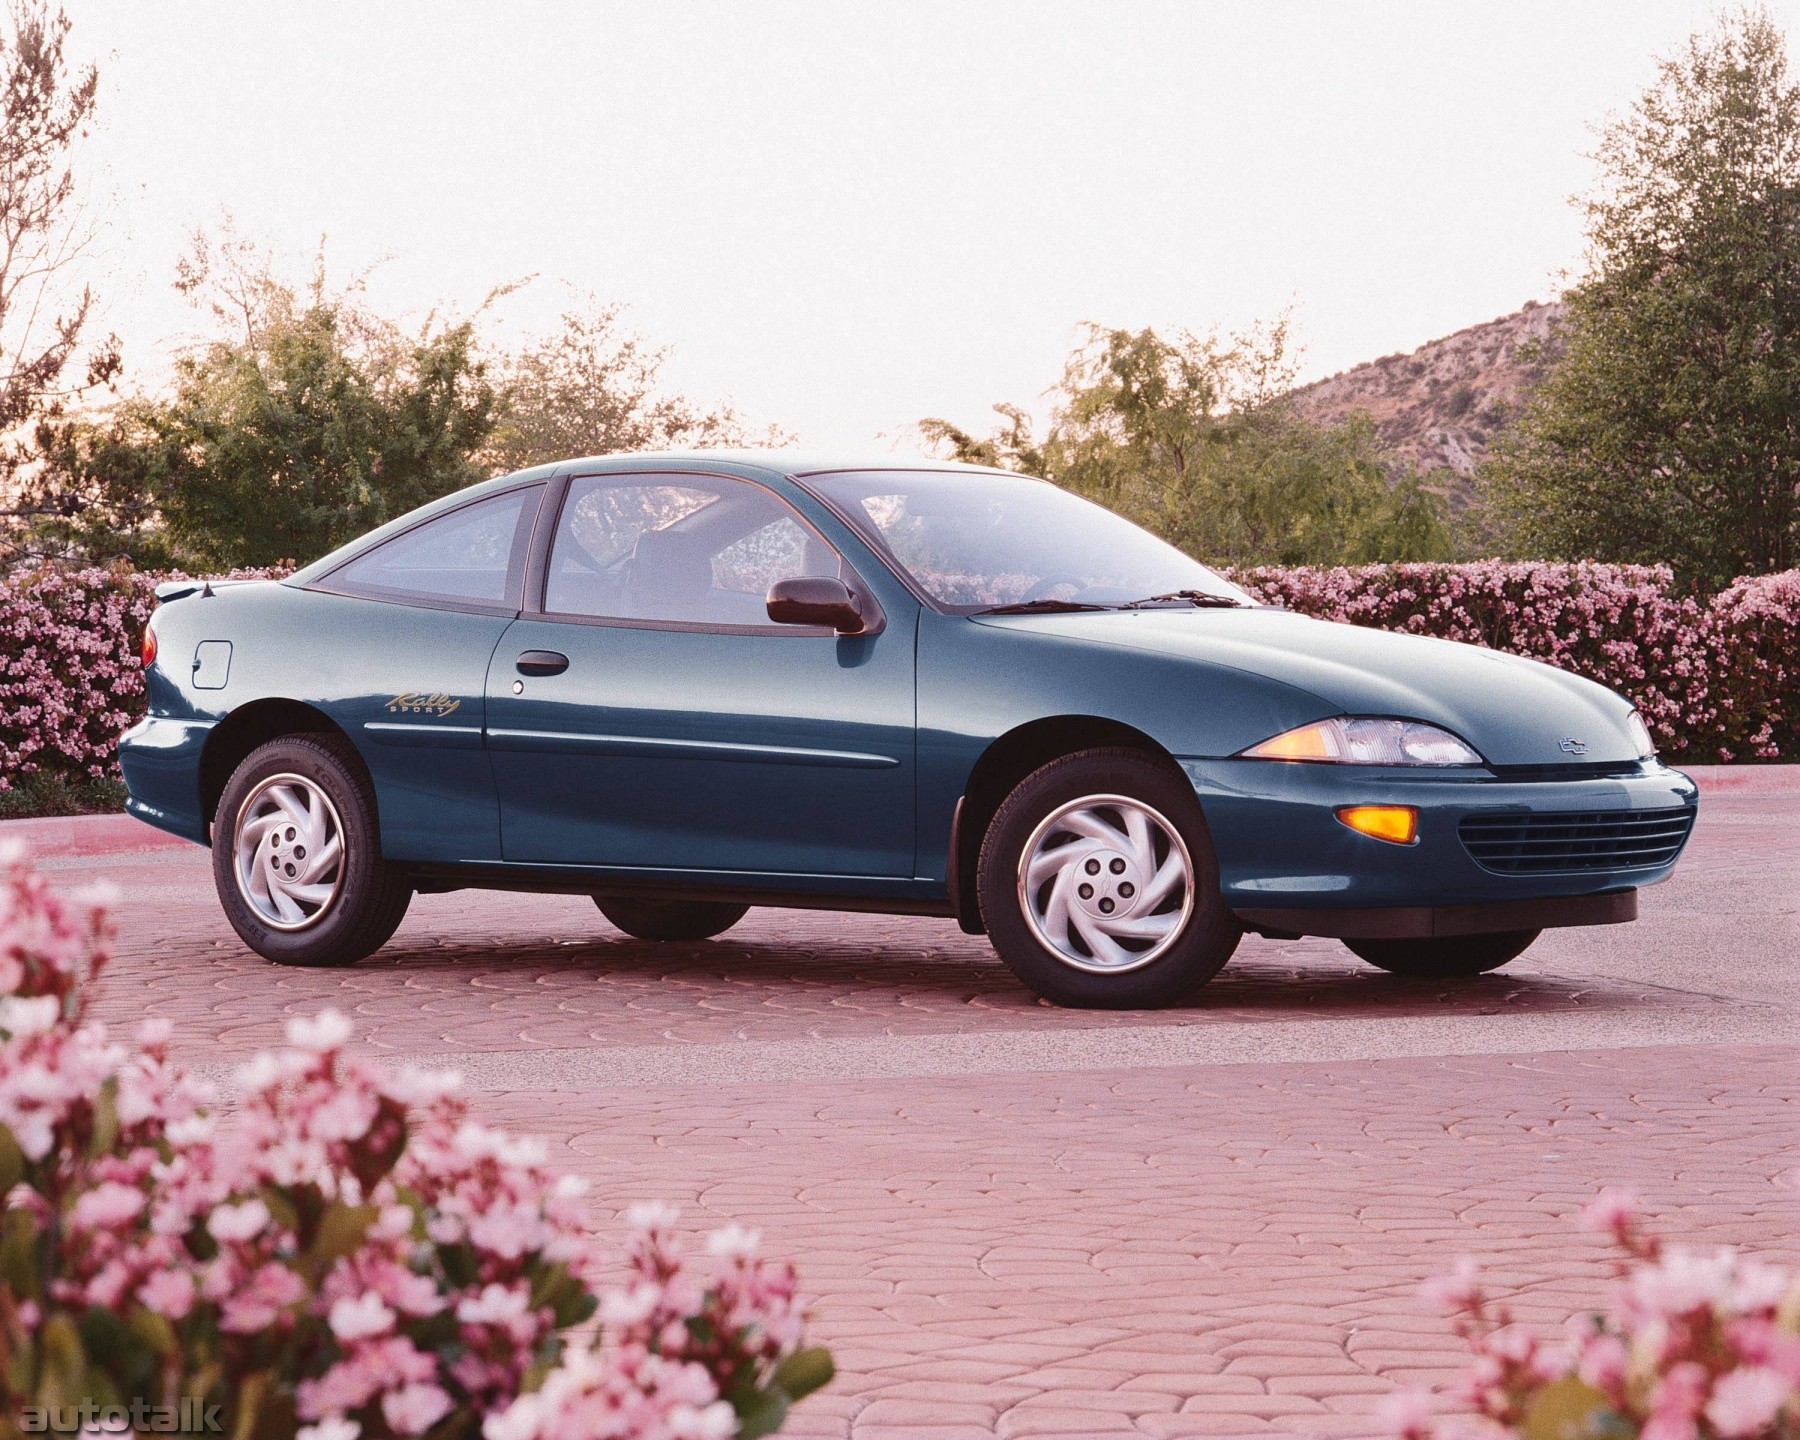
(1452, 957)
(297, 855)
(670, 919)
(1098, 884)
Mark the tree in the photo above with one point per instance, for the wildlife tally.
(1671, 428)
(44, 110)
(307, 422)
(590, 388)
(1194, 438)
(1009, 448)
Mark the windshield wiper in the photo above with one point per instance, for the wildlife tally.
(1201, 599)
(1045, 606)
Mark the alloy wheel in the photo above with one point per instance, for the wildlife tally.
(289, 852)
(1106, 883)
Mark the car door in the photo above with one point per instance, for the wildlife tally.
(648, 715)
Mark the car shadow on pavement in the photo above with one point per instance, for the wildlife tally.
(941, 973)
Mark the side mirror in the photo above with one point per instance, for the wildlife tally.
(816, 600)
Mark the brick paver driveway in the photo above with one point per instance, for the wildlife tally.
(1020, 1220)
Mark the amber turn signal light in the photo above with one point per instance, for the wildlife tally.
(1397, 824)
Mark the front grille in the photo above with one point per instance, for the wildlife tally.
(1540, 843)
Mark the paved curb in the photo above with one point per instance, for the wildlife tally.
(109, 834)
(87, 835)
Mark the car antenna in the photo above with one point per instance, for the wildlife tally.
(206, 590)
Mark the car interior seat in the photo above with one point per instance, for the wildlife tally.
(670, 578)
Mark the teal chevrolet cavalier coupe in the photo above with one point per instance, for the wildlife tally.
(687, 684)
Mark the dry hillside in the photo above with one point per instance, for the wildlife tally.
(1439, 407)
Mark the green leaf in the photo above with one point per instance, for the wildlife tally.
(763, 1415)
(64, 1357)
(459, 1263)
(341, 1231)
(106, 1119)
(567, 1297)
(804, 1372)
(153, 1331)
(1568, 1409)
(18, 1255)
(460, 1424)
(282, 1207)
(250, 1392)
(12, 1161)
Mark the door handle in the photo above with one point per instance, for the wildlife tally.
(543, 662)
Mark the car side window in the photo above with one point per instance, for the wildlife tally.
(780, 550)
(687, 550)
(475, 555)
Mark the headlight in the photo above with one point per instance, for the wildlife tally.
(1640, 736)
(1359, 740)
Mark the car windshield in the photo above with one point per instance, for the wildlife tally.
(975, 542)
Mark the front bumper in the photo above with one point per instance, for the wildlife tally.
(1287, 864)
(1430, 922)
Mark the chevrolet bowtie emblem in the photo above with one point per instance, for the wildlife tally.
(1572, 746)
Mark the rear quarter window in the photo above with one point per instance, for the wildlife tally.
(473, 556)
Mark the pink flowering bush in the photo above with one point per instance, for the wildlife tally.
(70, 677)
(347, 1255)
(1693, 1346)
(1716, 679)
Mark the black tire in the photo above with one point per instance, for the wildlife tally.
(670, 919)
(1182, 961)
(370, 897)
(1454, 957)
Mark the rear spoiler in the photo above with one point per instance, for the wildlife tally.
(177, 589)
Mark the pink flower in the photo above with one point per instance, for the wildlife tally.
(107, 1206)
(732, 1242)
(652, 1215)
(1455, 1291)
(1676, 1399)
(258, 1302)
(235, 1224)
(317, 1126)
(1683, 1281)
(495, 1305)
(1604, 1361)
(1746, 1402)
(414, 1409)
(327, 1031)
(1406, 1415)
(335, 1428)
(29, 1017)
(1611, 1211)
(168, 1292)
(1756, 1288)
(361, 1318)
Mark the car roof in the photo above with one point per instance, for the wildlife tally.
(769, 461)
(790, 461)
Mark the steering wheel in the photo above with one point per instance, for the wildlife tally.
(1049, 583)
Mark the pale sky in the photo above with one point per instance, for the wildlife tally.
(846, 216)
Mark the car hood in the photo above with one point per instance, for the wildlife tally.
(1513, 710)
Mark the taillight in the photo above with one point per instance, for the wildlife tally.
(149, 651)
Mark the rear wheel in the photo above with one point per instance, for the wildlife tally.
(1098, 884)
(297, 855)
(670, 919)
(1448, 958)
